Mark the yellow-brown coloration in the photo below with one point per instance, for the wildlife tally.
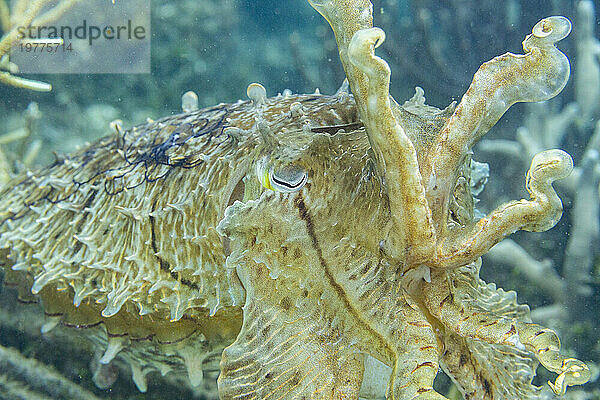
(304, 237)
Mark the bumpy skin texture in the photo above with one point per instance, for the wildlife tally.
(301, 236)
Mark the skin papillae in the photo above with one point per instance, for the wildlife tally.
(302, 245)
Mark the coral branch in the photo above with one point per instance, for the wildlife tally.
(540, 273)
(11, 36)
(584, 235)
(39, 377)
(587, 68)
(23, 83)
(4, 16)
(24, 13)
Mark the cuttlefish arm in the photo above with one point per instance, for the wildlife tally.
(539, 74)
(412, 236)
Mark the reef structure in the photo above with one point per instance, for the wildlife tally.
(304, 246)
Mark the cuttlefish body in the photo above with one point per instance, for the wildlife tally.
(305, 246)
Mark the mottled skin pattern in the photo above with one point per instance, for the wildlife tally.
(299, 238)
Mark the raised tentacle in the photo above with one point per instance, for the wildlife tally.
(369, 78)
(346, 18)
(539, 74)
(410, 213)
(540, 213)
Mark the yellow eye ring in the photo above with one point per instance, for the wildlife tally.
(265, 181)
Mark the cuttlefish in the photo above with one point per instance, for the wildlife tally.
(303, 246)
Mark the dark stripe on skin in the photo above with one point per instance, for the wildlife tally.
(447, 299)
(305, 216)
(83, 326)
(85, 215)
(332, 130)
(133, 339)
(113, 335)
(164, 266)
(22, 301)
(47, 314)
(425, 364)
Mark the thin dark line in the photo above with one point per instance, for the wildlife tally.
(109, 334)
(333, 129)
(305, 216)
(47, 314)
(22, 301)
(164, 265)
(83, 326)
(113, 335)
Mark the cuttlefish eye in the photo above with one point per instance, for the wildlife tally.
(284, 178)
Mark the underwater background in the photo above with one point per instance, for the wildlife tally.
(217, 47)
